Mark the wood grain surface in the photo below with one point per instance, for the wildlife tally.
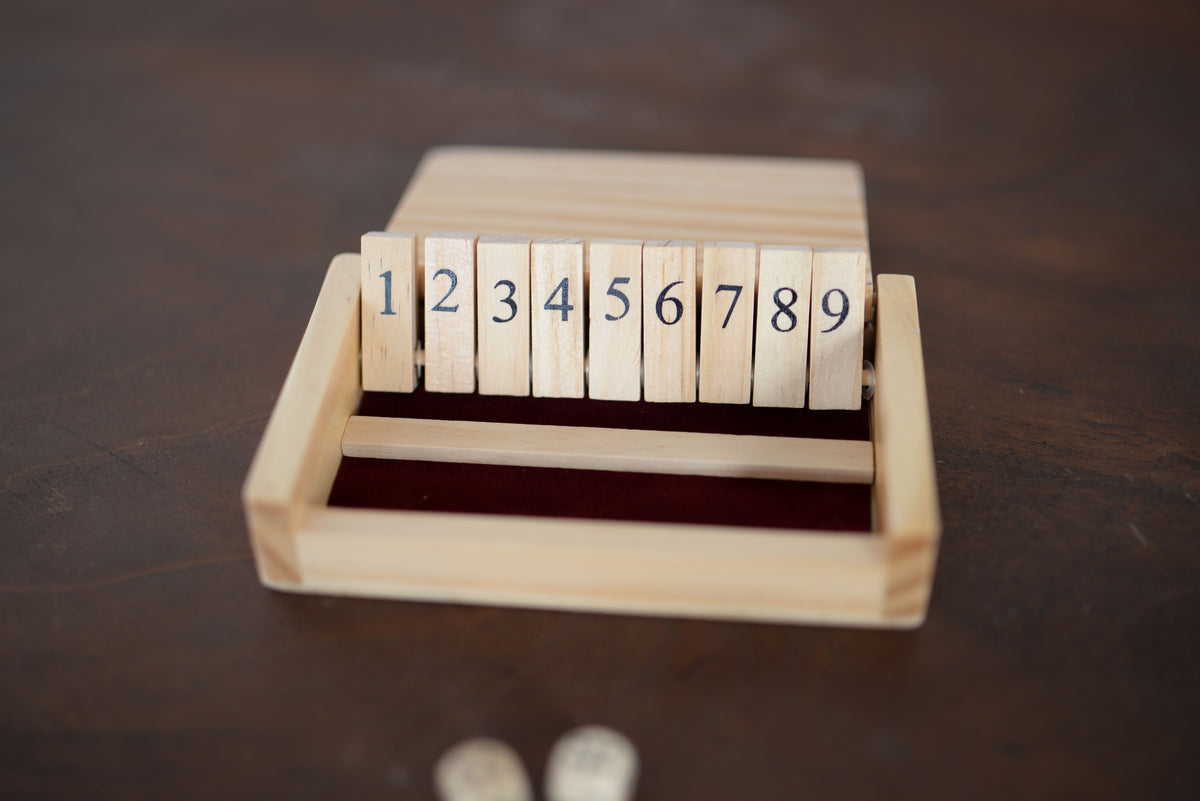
(175, 181)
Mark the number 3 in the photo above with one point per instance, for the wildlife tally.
(512, 304)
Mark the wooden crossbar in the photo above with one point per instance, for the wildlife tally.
(582, 448)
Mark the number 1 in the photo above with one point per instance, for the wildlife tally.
(387, 292)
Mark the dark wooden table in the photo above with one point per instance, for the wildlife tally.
(173, 182)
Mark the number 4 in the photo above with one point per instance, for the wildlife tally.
(564, 307)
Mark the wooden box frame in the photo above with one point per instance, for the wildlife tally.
(882, 578)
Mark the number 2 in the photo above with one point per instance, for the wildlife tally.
(438, 307)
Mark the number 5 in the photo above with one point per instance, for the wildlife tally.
(619, 295)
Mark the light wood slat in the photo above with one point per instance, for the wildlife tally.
(556, 278)
(389, 312)
(502, 268)
(615, 320)
(836, 328)
(645, 196)
(727, 322)
(781, 338)
(906, 493)
(596, 565)
(450, 313)
(906, 497)
(669, 322)
(673, 452)
(607, 194)
(298, 457)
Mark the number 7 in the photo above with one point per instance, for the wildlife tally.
(736, 289)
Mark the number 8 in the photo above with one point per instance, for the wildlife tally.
(785, 309)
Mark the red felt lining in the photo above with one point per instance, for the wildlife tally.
(430, 486)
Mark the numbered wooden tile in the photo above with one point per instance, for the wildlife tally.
(839, 284)
(503, 290)
(482, 769)
(727, 322)
(450, 312)
(669, 321)
(615, 320)
(389, 312)
(781, 332)
(592, 763)
(557, 315)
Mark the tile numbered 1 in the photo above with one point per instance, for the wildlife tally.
(389, 312)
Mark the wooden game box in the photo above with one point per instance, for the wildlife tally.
(716, 510)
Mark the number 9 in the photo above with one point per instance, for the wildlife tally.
(840, 314)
